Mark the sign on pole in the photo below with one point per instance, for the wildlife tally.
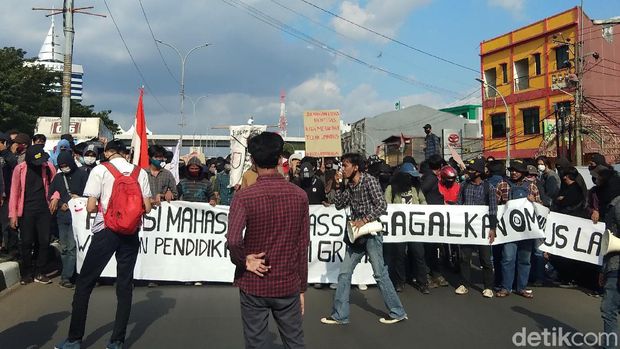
(452, 139)
(322, 133)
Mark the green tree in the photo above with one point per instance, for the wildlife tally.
(25, 94)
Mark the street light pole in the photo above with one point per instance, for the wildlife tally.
(194, 103)
(507, 120)
(183, 60)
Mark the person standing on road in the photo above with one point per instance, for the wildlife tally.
(102, 192)
(67, 185)
(476, 191)
(28, 209)
(272, 256)
(367, 203)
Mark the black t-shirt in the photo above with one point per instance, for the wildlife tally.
(315, 191)
(34, 192)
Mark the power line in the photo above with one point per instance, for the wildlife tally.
(310, 19)
(156, 45)
(265, 18)
(390, 38)
(132, 59)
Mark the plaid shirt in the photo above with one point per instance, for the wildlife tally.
(162, 182)
(365, 199)
(275, 214)
(473, 194)
(433, 145)
(503, 191)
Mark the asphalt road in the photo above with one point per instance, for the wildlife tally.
(177, 316)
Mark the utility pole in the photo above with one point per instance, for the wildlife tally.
(68, 10)
(578, 92)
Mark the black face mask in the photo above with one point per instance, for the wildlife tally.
(473, 174)
(427, 131)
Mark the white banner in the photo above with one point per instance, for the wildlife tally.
(240, 158)
(184, 241)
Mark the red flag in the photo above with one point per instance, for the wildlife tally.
(139, 142)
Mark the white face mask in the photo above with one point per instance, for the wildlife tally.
(65, 169)
(542, 168)
(89, 160)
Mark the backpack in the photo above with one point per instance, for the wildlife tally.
(126, 205)
(518, 191)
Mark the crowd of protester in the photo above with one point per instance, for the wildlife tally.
(36, 187)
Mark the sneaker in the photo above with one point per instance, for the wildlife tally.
(318, 286)
(362, 287)
(441, 281)
(389, 321)
(42, 279)
(67, 344)
(153, 284)
(487, 293)
(424, 289)
(461, 290)
(26, 280)
(331, 321)
(66, 284)
(333, 286)
(114, 345)
(197, 283)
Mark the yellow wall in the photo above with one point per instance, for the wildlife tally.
(517, 45)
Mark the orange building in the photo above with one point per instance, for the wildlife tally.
(534, 69)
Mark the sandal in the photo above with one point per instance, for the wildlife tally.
(502, 293)
(526, 293)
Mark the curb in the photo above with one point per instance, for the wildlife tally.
(9, 275)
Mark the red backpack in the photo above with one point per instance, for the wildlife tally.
(126, 205)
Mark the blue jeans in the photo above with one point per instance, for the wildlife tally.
(538, 263)
(516, 255)
(374, 249)
(67, 251)
(610, 305)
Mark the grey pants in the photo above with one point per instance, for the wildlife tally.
(287, 313)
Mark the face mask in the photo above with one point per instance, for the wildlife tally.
(427, 131)
(472, 174)
(542, 168)
(158, 163)
(194, 173)
(65, 169)
(89, 160)
(591, 167)
(21, 148)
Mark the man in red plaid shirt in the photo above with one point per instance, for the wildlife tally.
(272, 257)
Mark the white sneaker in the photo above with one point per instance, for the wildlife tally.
(197, 283)
(333, 286)
(331, 321)
(389, 321)
(461, 290)
(487, 293)
(362, 287)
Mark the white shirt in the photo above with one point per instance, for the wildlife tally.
(100, 183)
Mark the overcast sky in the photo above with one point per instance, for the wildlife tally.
(249, 62)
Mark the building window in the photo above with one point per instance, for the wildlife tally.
(498, 122)
(531, 121)
(504, 73)
(522, 75)
(561, 57)
(490, 78)
(537, 63)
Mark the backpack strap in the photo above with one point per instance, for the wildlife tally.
(135, 173)
(115, 172)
